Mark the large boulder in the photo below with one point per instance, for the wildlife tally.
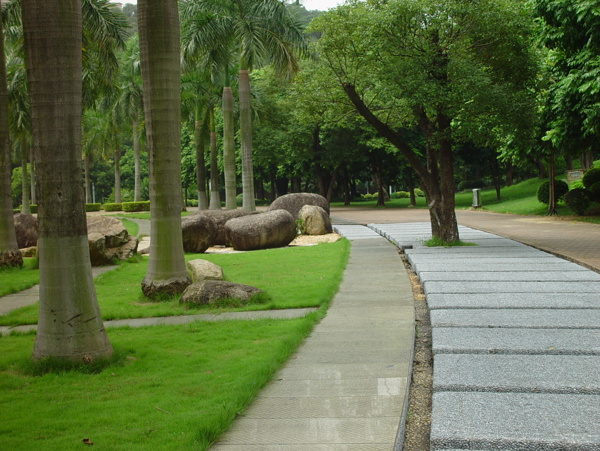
(295, 201)
(315, 220)
(199, 233)
(109, 240)
(211, 291)
(267, 230)
(200, 270)
(220, 218)
(26, 228)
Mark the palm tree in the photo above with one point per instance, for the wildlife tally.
(158, 25)
(130, 103)
(70, 326)
(261, 32)
(9, 250)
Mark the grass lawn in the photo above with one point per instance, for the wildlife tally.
(171, 387)
(295, 277)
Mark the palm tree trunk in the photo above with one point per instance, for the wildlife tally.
(246, 141)
(9, 250)
(158, 25)
(86, 178)
(199, 139)
(70, 326)
(24, 180)
(228, 149)
(136, 159)
(32, 176)
(215, 201)
(117, 157)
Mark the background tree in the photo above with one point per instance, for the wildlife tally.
(432, 66)
(9, 251)
(70, 326)
(158, 24)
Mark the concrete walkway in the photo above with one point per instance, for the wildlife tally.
(516, 343)
(346, 387)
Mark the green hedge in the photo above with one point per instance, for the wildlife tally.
(136, 206)
(113, 207)
(92, 207)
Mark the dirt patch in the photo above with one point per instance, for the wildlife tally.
(418, 418)
(300, 240)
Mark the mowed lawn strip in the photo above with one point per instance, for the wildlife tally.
(291, 277)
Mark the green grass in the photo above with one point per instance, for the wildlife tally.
(295, 277)
(175, 387)
(436, 241)
(132, 227)
(13, 280)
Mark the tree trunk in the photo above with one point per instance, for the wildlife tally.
(246, 141)
(86, 177)
(158, 25)
(69, 326)
(411, 187)
(9, 250)
(215, 198)
(551, 187)
(32, 176)
(228, 149)
(347, 196)
(24, 180)
(199, 135)
(117, 157)
(137, 179)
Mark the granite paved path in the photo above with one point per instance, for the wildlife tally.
(516, 343)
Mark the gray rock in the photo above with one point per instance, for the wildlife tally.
(210, 291)
(263, 231)
(315, 220)
(199, 232)
(26, 228)
(220, 217)
(295, 201)
(108, 240)
(200, 270)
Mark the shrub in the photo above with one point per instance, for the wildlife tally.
(112, 207)
(191, 202)
(470, 184)
(367, 196)
(400, 195)
(578, 200)
(136, 206)
(591, 177)
(92, 207)
(560, 189)
(239, 199)
(419, 192)
(595, 191)
(33, 209)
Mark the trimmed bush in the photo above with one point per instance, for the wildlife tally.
(113, 207)
(191, 202)
(578, 200)
(419, 192)
(131, 207)
(591, 177)
(560, 189)
(92, 207)
(400, 195)
(595, 191)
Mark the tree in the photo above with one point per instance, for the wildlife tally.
(9, 250)
(158, 25)
(437, 67)
(571, 35)
(70, 326)
(260, 32)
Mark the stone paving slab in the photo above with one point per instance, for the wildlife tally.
(510, 276)
(513, 301)
(517, 373)
(450, 340)
(476, 265)
(510, 287)
(518, 318)
(353, 232)
(511, 421)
